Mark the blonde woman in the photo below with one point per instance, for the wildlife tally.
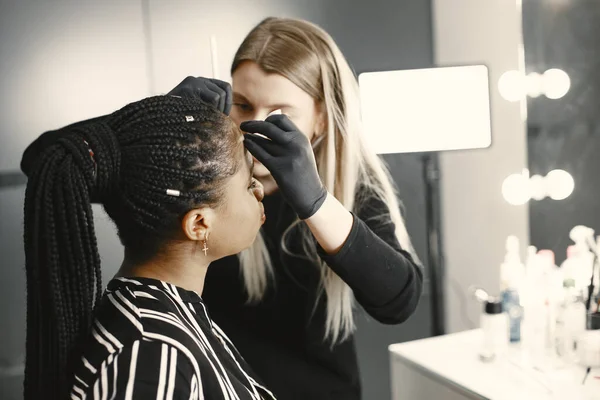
(334, 237)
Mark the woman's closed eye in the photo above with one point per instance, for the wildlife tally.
(244, 107)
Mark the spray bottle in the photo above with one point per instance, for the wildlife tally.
(583, 238)
(552, 287)
(571, 317)
(535, 312)
(512, 273)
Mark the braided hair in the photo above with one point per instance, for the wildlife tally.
(127, 161)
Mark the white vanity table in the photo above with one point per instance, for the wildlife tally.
(448, 367)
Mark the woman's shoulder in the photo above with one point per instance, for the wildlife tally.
(136, 308)
(139, 366)
(136, 315)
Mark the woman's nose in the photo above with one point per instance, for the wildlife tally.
(259, 191)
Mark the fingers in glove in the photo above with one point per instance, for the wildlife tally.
(283, 122)
(220, 93)
(208, 97)
(257, 151)
(271, 147)
(267, 129)
(228, 97)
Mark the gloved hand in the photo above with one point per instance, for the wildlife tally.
(289, 157)
(211, 91)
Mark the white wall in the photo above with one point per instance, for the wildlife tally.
(476, 219)
(181, 31)
(61, 61)
(65, 60)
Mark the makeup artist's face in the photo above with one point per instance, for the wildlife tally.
(256, 94)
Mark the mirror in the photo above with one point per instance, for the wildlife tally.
(564, 132)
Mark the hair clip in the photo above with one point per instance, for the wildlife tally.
(189, 118)
(173, 192)
(91, 152)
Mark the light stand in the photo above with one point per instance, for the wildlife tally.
(428, 111)
(431, 176)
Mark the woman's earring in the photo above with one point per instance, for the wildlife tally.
(205, 244)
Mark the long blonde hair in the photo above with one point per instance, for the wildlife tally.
(307, 56)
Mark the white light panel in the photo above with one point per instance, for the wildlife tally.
(424, 110)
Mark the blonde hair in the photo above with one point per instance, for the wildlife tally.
(307, 56)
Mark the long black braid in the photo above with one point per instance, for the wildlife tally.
(126, 161)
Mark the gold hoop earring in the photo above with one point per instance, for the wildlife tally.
(205, 245)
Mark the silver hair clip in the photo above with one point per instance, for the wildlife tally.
(173, 192)
(189, 118)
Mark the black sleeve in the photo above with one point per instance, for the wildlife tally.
(35, 149)
(386, 281)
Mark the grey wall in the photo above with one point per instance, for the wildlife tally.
(65, 60)
(476, 220)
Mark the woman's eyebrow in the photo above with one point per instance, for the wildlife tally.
(239, 97)
(251, 165)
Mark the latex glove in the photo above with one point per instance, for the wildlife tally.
(211, 91)
(289, 157)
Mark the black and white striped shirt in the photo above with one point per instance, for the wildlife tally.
(152, 340)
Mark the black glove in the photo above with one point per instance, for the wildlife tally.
(211, 91)
(289, 157)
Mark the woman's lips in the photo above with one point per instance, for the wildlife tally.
(263, 217)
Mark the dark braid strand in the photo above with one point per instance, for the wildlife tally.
(139, 152)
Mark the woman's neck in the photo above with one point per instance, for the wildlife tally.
(188, 273)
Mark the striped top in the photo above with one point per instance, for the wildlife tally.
(153, 340)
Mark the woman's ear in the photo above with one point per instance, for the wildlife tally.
(196, 224)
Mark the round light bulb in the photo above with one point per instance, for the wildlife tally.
(559, 184)
(556, 83)
(537, 187)
(534, 84)
(515, 189)
(512, 85)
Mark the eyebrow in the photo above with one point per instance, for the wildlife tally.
(251, 165)
(240, 97)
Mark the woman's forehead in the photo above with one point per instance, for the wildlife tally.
(272, 90)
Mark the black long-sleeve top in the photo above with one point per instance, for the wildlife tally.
(282, 337)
